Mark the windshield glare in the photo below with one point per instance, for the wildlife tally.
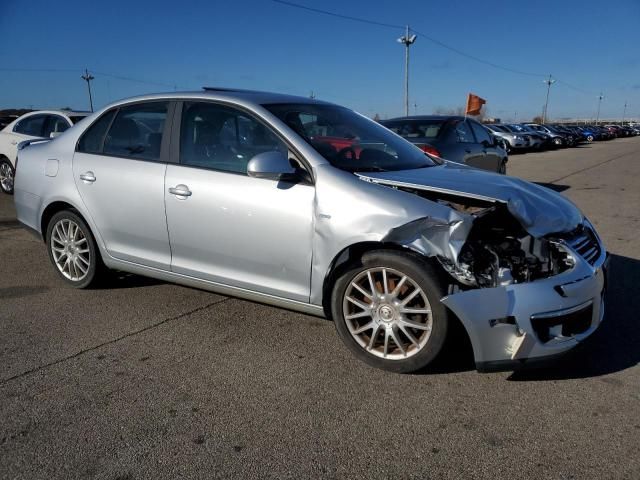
(350, 141)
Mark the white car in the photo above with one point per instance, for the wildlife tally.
(30, 126)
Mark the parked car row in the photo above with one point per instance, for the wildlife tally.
(310, 206)
(533, 136)
(487, 146)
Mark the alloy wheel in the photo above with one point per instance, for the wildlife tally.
(70, 250)
(387, 313)
(6, 176)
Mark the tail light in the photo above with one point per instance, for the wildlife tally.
(426, 148)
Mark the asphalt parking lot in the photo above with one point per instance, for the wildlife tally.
(142, 379)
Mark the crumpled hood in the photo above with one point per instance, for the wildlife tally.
(541, 211)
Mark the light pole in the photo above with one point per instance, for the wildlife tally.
(407, 40)
(549, 82)
(600, 97)
(624, 112)
(87, 77)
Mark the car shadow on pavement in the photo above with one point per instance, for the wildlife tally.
(117, 280)
(616, 344)
(553, 186)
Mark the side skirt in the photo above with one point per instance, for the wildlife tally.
(215, 287)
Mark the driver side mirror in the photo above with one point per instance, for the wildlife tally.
(55, 134)
(273, 166)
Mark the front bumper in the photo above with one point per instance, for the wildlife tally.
(524, 323)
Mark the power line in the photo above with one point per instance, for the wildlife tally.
(477, 59)
(338, 15)
(391, 25)
(104, 74)
(431, 39)
(137, 80)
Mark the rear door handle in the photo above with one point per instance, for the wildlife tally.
(88, 177)
(14, 142)
(180, 191)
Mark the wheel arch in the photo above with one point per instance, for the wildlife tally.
(53, 208)
(352, 253)
(343, 260)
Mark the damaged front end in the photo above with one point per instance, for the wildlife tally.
(529, 280)
(489, 248)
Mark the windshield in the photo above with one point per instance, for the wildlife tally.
(518, 128)
(350, 141)
(415, 128)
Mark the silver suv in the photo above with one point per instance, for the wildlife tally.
(310, 206)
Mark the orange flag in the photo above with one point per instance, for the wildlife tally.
(474, 104)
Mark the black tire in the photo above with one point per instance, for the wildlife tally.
(5, 166)
(429, 281)
(96, 267)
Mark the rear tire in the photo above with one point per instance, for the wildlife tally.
(400, 328)
(73, 251)
(7, 176)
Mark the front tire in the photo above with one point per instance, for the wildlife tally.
(7, 175)
(387, 311)
(73, 250)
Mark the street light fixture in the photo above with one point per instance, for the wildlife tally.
(407, 40)
(549, 82)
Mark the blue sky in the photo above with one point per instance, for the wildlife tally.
(259, 44)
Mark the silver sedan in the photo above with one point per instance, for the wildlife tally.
(310, 206)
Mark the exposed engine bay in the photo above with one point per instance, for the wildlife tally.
(498, 250)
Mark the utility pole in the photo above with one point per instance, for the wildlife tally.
(87, 77)
(312, 95)
(549, 82)
(407, 40)
(624, 112)
(600, 97)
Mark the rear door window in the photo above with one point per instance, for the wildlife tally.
(32, 125)
(136, 132)
(463, 133)
(481, 133)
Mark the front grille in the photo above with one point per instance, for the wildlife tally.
(573, 322)
(584, 242)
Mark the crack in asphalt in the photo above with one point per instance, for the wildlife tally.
(109, 342)
(592, 166)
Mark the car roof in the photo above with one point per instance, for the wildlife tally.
(68, 113)
(230, 94)
(426, 117)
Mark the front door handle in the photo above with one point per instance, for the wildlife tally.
(88, 177)
(14, 142)
(180, 191)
